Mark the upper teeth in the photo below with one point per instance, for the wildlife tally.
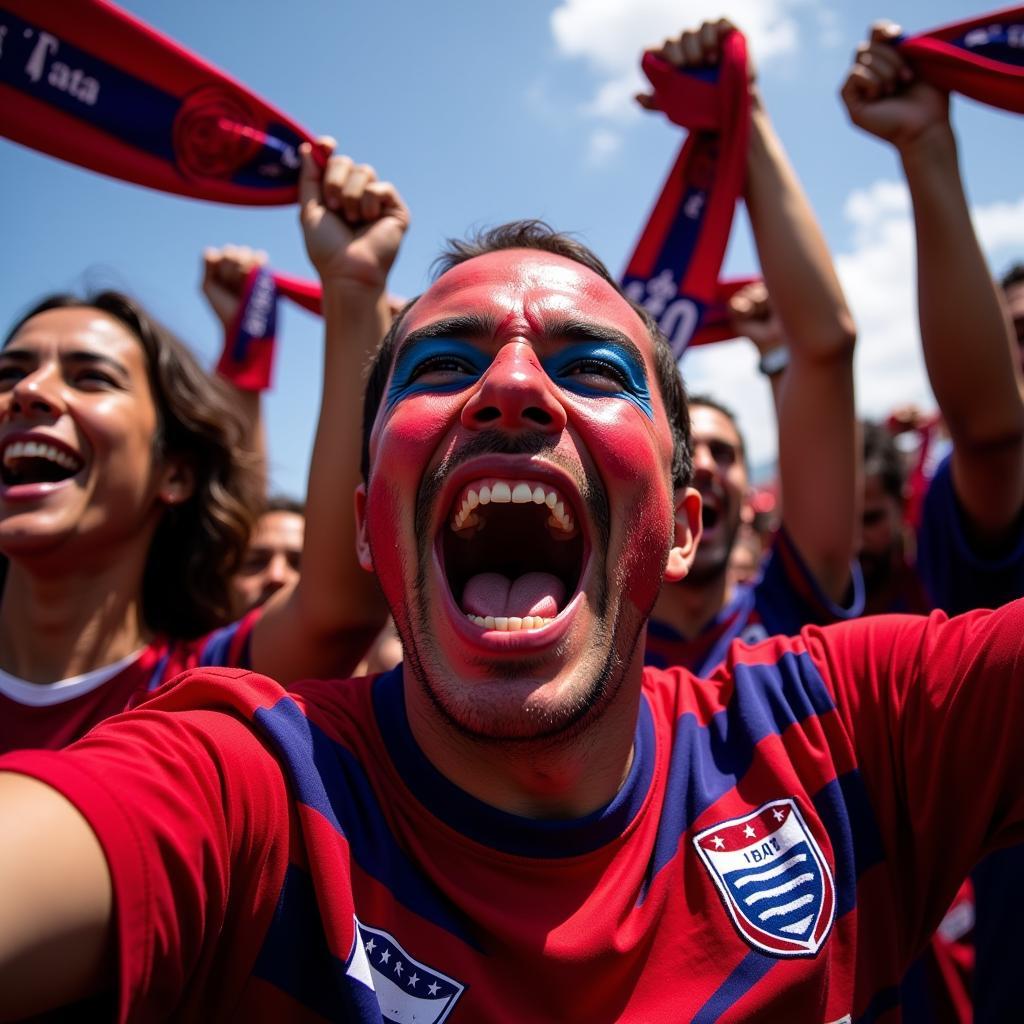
(516, 492)
(38, 450)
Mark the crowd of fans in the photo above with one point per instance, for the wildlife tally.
(138, 542)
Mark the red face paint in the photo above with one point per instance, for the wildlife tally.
(493, 481)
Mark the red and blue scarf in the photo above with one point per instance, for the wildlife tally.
(85, 81)
(982, 57)
(674, 269)
(250, 340)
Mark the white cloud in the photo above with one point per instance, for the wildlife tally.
(879, 277)
(603, 145)
(610, 35)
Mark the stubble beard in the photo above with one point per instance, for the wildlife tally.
(520, 721)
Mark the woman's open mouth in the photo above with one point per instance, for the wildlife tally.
(37, 462)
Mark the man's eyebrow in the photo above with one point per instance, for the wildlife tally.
(469, 325)
(21, 355)
(573, 329)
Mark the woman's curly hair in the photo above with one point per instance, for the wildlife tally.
(199, 544)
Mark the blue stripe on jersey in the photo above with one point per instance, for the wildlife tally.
(329, 779)
(845, 811)
(510, 833)
(218, 646)
(295, 958)
(745, 975)
(883, 1002)
(708, 761)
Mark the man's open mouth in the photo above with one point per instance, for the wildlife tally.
(710, 510)
(512, 552)
(37, 462)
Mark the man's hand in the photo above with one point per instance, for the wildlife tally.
(885, 98)
(696, 48)
(353, 224)
(753, 317)
(224, 274)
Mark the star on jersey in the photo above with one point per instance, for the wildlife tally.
(749, 832)
(407, 989)
(719, 842)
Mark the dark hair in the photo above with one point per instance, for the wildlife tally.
(713, 403)
(282, 503)
(882, 459)
(199, 544)
(1015, 275)
(535, 234)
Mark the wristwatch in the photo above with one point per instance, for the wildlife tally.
(774, 361)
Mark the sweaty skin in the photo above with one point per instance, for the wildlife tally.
(521, 366)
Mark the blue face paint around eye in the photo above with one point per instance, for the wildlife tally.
(416, 359)
(627, 370)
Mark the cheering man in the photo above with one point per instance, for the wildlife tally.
(522, 823)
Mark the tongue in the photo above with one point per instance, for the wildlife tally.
(535, 593)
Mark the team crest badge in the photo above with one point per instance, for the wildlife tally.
(408, 991)
(772, 877)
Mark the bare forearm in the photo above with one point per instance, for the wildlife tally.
(818, 459)
(964, 330)
(250, 406)
(324, 624)
(355, 322)
(794, 257)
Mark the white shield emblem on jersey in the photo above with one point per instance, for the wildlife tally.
(772, 877)
(408, 991)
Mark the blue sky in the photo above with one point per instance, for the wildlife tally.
(489, 111)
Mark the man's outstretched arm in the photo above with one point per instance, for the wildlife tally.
(56, 902)
(353, 225)
(966, 334)
(818, 454)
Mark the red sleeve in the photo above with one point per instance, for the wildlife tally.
(935, 712)
(192, 813)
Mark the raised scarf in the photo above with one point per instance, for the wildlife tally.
(982, 57)
(674, 269)
(84, 81)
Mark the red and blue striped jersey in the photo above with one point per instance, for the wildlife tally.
(52, 716)
(960, 577)
(790, 833)
(783, 600)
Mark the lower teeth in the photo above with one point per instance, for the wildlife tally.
(510, 623)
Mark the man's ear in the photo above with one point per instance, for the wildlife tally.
(177, 480)
(687, 536)
(362, 540)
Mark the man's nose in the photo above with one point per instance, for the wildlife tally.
(702, 459)
(278, 571)
(515, 394)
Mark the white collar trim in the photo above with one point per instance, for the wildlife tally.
(39, 695)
